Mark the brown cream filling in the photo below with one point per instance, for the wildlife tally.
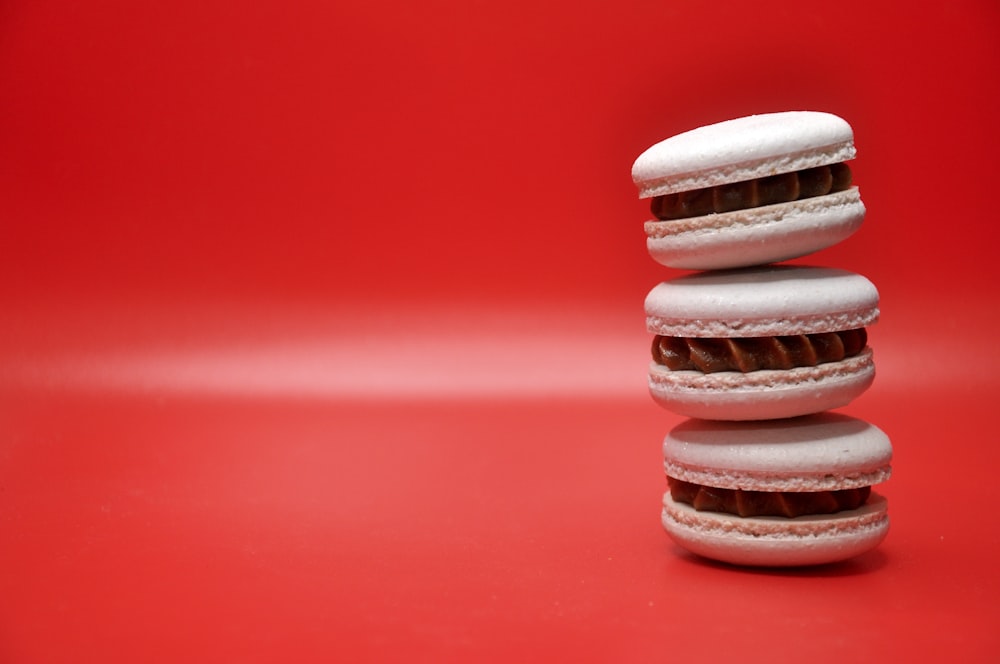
(747, 354)
(766, 503)
(773, 189)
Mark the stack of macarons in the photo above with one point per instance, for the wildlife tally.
(755, 353)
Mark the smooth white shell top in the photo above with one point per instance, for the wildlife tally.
(742, 149)
(817, 452)
(761, 301)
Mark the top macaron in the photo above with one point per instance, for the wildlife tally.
(750, 191)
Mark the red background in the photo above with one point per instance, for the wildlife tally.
(322, 329)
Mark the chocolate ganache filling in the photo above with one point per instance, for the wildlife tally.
(755, 353)
(766, 503)
(769, 190)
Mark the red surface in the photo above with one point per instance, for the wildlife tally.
(322, 334)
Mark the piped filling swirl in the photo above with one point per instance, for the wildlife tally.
(766, 503)
(769, 190)
(747, 354)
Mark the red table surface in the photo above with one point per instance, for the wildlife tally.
(322, 338)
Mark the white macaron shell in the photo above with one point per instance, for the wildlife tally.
(824, 452)
(762, 395)
(756, 236)
(761, 301)
(743, 149)
(777, 541)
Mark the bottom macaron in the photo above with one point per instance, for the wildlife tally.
(773, 541)
(786, 492)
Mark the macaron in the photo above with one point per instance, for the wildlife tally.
(750, 191)
(759, 343)
(774, 493)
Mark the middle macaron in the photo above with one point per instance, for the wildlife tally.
(761, 343)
